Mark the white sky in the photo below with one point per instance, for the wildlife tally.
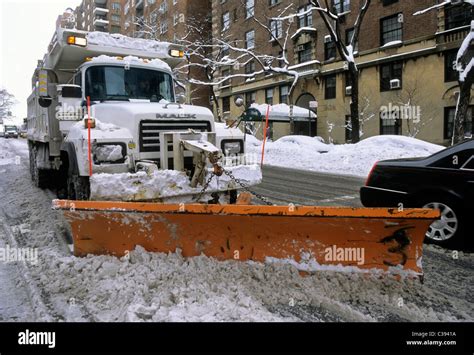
(26, 27)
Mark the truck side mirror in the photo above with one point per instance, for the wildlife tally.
(45, 102)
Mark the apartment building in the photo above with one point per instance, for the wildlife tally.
(100, 15)
(405, 62)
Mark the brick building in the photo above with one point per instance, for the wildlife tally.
(404, 59)
(100, 15)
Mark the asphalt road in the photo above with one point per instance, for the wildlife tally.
(281, 185)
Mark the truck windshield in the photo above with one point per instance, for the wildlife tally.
(116, 83)
(10, 128)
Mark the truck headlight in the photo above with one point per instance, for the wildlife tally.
(232, 147)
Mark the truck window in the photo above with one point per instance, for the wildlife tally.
(78, 79)
(116, 83)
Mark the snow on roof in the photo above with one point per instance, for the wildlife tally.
(156, 63)
(121, 41)
(283, 110)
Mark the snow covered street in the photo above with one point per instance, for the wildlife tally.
(159, 287)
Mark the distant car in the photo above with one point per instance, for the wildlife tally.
(23, 133)
(443, 181)
(11, 132)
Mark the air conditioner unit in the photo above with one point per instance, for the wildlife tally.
(395, 84)
(345, 66)
(327, 39)
(348, 90)
(300, 48)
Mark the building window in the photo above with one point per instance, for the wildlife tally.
(388, 2)
(225, 21)
(225, 50)
(114, 29)
(226, 104)
(390, 124)
(250, 98)
(276, 28)
(284, 90)
(391, 29)
(164, 27)
(273, 2)
(457, 16)
(304, 52)
(250, 39)
(450, 73)
(349, 34)
(115, 18)
(225, 74)
(306, 17)
(250, 67)
(329, 50)
(330, 87)
(116, 6)
(236, 14)
(249, 8)
(389, 72)
(342, 6)
(269, 96)
(449, 115)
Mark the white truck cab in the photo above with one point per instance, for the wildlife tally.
(127, 86)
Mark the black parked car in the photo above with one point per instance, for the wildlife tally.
(443, 181)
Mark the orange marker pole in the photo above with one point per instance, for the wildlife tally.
(265, 134)
(89, 150)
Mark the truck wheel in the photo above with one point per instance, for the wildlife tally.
(78, 188)
(40, 177)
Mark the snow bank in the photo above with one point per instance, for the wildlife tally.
(222, 130)
(305, 153)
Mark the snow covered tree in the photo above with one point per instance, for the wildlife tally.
(228, 57)
(464, 64)
(333, 21)
(7, 100)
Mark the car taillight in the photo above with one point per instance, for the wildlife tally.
(370, 174)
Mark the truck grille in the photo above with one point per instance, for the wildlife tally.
(150, 132)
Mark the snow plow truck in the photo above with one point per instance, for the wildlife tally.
(134, 165)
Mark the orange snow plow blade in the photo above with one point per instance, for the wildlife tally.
(311, 238)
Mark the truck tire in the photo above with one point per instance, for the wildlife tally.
(40, 177)
(78, 188)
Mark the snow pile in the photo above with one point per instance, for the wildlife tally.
(283, 110)
(155, 63)
(169, 185)
(222, 130)
(108, 153)
(305, 153)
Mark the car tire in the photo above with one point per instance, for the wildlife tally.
(449, 231)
